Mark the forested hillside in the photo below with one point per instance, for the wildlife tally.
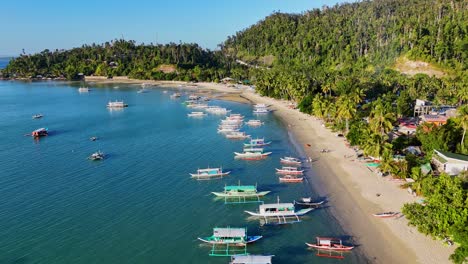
(124, 58)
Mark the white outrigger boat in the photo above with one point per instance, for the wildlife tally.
(231, 122)
(289, 171)
(116, 104)
(254, 123)
(257, 142)
(237, 135)
(37, 116)
(235, 194)
(261, 111)
(251, 155)
(250, 149)
(83, 89)
(251, 259)
(227, 130)
(291, 161)
(208, 173)
(235, 117)
(279, 213)
(229, 241)
(196, 114)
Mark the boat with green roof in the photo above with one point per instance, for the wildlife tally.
(241, 194)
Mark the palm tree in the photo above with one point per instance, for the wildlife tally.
(463, 112)
(381, 119)
(346, 110)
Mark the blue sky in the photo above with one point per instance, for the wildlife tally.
(36, 25)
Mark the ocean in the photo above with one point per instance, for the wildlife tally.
(139, 205)
(4, 62)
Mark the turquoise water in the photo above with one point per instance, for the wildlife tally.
(139, 205)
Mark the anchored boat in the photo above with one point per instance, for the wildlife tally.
(37, 116)
(252, 155)
(330, 243)
(289, 171)
(279, 213)
(116, 104)
(291, 161)
(229, 241)
(257, 142)
(240, 194)
(291, 178)
(196, 114)
(96, 156)
(208, 173)
(40, 132)
(308, 202)
(237, 135)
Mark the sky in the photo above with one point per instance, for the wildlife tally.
(35, 25)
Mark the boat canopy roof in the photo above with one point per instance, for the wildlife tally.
(40, 129)
(209, 170)
(240, 188)
(229, 232)
(277, 205)
(251, 259)
(327, 240)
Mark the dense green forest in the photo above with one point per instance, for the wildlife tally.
(340, 64)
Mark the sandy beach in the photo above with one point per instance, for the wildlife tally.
(354, 192)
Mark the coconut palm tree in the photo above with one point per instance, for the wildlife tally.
(346, 110)
(463, 112)
(381, 118)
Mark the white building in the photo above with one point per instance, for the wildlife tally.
(450, 163)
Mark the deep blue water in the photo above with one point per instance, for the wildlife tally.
(4, 61)
(139, 205)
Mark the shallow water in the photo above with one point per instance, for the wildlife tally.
(139, 205)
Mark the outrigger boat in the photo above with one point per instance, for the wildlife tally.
(235, 117)
(227, 130)
(291, 161)
(251, 259)
(237, 135)
(229, 241)
(37, 116)
(289, 171)
(279, 213)
(261, 111)
(196, 114)
(40, 132)
(254, 123)
(96, 156)
(83, 89)
(330, 243)
(235, 194)
(257, 142)
(308, 202)
(249, 149)
(208, 173)
(116, 104)
(252, 155)
(386, 214)
(291, 179)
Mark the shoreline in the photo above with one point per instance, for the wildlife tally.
(350, 186)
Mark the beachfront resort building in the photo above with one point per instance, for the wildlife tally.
(450, 163)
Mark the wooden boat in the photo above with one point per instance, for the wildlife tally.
(231, 122)
(199, 106)
(250, 149)
(235, 117)
(116, 104)
(291, 178)
(330, 243)
(83, 89)
(254, 123)
(237, 135)
(261, 111)
(229, 241)
(279, 213)
(227, 130)
(251, 155)
(240, 194)
(251, 259)
(308, 202)
(291, 161)
(196, 114)
(37, 116)
(386, 214)
(289, 171)
(40, 132)
(257, 142)
(209, 173)
(96, 156)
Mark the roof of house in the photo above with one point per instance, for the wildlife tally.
(451, 155)
(434, 118)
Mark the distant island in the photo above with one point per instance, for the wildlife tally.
(389, 75)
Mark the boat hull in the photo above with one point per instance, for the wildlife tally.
(282, 213)
(258, 194)
(300, 179)
(207, 176)
(250, 239)
(332, 248)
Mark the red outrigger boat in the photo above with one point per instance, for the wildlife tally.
(330, 243)
(289, 171)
